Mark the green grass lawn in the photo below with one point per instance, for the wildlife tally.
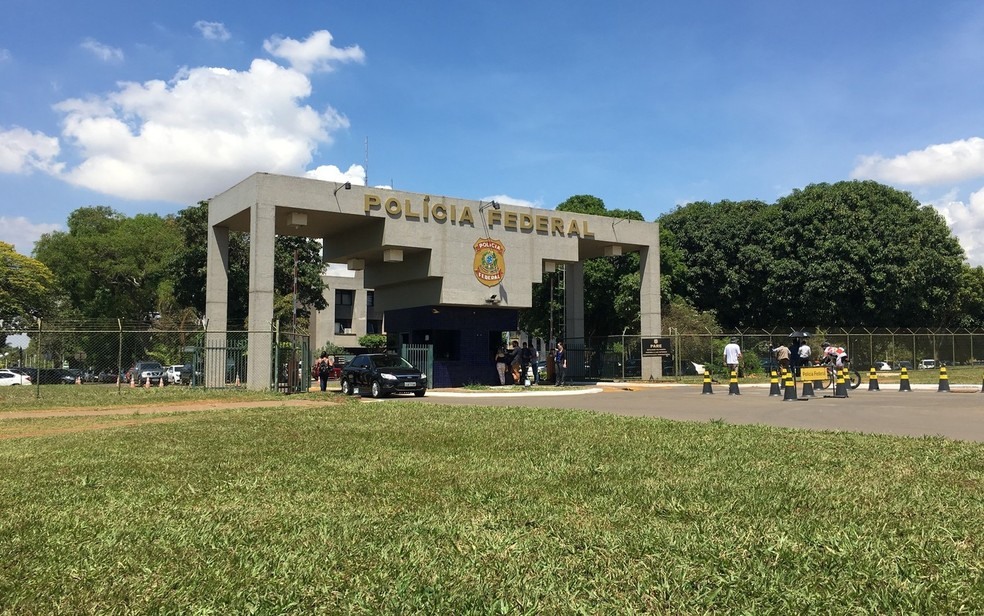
(401, 507)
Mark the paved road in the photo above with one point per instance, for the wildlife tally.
(956, 415)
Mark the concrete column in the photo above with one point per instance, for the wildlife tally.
(573, 302)
(216, 305)
(262, 236)
(650, 315)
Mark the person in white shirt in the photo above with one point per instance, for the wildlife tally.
(732, 355)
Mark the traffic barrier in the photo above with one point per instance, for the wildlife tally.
(841, 390)
(774, 385)
(904, 380)
(733, 384)
(707, 383)
(944, 381)
(982, 384)
(873, 380)
(808, 389)
(790, 393)
(160, 383)
(133, 382)
(147, 383)
(78, 380)
(238, 383)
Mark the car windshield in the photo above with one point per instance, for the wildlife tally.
(151, 367)
(391, 361)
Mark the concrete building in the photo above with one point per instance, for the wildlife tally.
(351, 311)
(445, 271)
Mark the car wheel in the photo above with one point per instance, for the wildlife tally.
(346, 387)
(376, 390)
(420, 394)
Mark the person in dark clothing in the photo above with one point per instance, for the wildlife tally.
(525, 357)
(560, 364)
(323, 370)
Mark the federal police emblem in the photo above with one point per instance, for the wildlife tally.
(490, 262)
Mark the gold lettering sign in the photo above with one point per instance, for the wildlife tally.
(463, 216)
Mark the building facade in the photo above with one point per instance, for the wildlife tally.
(444, 271)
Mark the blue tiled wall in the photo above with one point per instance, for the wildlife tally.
(473, 324)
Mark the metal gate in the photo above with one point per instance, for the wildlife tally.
(422, 356)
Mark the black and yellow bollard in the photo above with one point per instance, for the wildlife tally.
(790, 389)
(774, 385)
(808, 389)
(873, 380)
(707, 382)
(841, 390)
(904, 380)
(944, 380)
(733, 384)
(982, 384)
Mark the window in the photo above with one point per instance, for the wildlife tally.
(343, 326)
(370, 298)
(344, 298)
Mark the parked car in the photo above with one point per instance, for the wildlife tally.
(174, 374)
(927, 363)
(903, 364)
(382, 374)
(107, 376)
(883, 366)
(8, 377)
(144, 370)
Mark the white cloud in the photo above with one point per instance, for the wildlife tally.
(103, 52)
(330, 173)
(22, 233)
(314, 54)
(966, 220)
(187, 139)
(4, 54)
(941, 163)
(212, 30)
(338, 270)
(22, 151)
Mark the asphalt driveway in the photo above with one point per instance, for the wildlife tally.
(923, 412)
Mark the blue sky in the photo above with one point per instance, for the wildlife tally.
(151, 107)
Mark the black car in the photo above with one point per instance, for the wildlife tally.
(382, 374)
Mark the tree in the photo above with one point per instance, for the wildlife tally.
(109, 265)
(846, 254)
(26, 288)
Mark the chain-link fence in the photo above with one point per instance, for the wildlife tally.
(121, 354)
(620, 357)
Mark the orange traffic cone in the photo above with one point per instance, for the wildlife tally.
(147, 383)
(238, 383)
(160, 383)
(78, 380)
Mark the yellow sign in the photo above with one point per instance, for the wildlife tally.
(490, 261)
(814, 374)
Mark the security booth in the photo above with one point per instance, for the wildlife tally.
(446, 271)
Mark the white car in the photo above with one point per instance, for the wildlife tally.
(173, 374)
(883, 366)
(12, 378)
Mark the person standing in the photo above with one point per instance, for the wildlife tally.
(732, 355)
(525, 358)
(560, 364)
(782, 356)
(323, 370)
(501, 363)
(805, 353)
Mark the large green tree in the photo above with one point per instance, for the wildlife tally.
(26, 289)
(109, 265)
(855, 253)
